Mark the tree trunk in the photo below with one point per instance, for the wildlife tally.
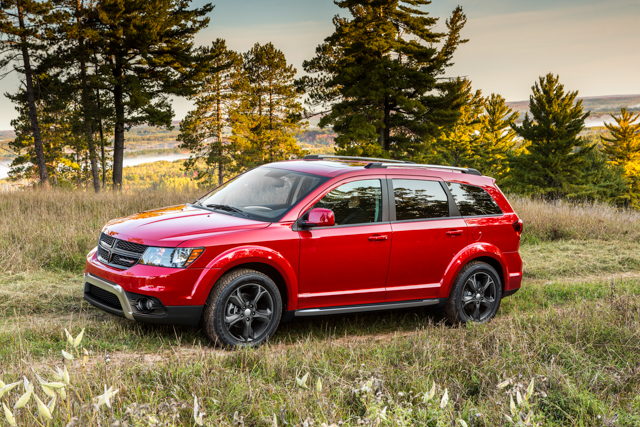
(86, 108)
(118, 142)
(385, 134)
(31, 99)
(102, 158)
(220, 164)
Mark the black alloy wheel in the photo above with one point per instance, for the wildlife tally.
(478, 296)
(248, 312)
(243, 309)
(475, 295)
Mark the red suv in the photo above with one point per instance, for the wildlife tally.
(322, 235)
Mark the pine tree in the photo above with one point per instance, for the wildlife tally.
(77, 33)
(553, 162)
(623, 146)
(381, 75)
(21, 30)
(202, 130)
(497, 138)
(623, 149)
(146, 49)
(459, 145)
(268, 114)
(56, 121)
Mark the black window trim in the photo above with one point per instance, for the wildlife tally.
(384, 205)
(452, 201)
(454, 213)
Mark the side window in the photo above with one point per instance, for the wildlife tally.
(358, 202)
(473, 201)
(417, 199)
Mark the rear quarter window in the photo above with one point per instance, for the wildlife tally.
(472, 200)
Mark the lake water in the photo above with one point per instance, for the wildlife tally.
(131, 161)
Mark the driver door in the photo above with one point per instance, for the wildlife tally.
(347, 264)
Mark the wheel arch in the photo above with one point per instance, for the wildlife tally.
(272, 273)
(264, 260)
(483, 252)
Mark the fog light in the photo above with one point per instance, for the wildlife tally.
(145, 304)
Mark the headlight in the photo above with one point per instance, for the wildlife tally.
(170, 257)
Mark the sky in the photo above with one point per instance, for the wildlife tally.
(593, 45)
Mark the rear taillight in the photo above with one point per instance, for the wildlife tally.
(518, 226)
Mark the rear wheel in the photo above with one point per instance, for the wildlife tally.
(243, 309)
(476, 294)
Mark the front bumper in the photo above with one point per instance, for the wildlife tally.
(112, 298)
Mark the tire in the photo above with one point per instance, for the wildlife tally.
(234, 317)
(480, 306)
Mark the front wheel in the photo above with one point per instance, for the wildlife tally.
(476, 294)
(243, 309)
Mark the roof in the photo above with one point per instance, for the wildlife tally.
(331, 166)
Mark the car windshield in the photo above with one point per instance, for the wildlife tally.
(264, 193)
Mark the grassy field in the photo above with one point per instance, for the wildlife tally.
(574, 329)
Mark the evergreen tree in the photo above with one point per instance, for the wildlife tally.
(146, 49)
(76, 37)
(602, 181)
(202, 130)
(623, 146)
(497, 138)
(623, 149)
(21, 30)
(553, 163)
(381, 75)
(61, 148)
(268, 114)
(459, 145)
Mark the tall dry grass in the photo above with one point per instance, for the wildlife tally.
(564, 220)
(55, 229)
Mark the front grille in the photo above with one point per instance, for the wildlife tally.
(107, 239)
(102, 252)
(105, 297)
(118, 253)
(130, 246)
(123, 261)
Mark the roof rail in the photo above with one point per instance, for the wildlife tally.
(362, 159)
(470, 171)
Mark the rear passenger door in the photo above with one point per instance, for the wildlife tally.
(425, 237)
(483, 216)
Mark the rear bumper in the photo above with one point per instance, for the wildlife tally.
(110, 297)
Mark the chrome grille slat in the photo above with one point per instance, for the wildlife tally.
(119, 253)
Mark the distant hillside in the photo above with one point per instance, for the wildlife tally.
(601, 107)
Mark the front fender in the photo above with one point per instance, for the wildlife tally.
(465, 256)
(250, 254)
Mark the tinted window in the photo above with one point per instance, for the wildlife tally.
(472, 200)
(357, 202)
(264, 193)
(416, 199)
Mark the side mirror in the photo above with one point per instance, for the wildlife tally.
(319, 217)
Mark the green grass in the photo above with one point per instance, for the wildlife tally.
(574, 328)
(580, 341)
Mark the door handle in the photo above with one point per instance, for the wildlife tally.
(377, 238)
(454, 232)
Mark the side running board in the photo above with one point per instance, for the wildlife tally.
(325, 311)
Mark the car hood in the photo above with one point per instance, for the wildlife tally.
(175, 224)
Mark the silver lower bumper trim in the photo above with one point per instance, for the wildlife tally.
(114, 289)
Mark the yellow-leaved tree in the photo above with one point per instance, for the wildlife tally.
(623, 149)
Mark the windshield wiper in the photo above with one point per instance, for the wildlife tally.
(228, 209)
